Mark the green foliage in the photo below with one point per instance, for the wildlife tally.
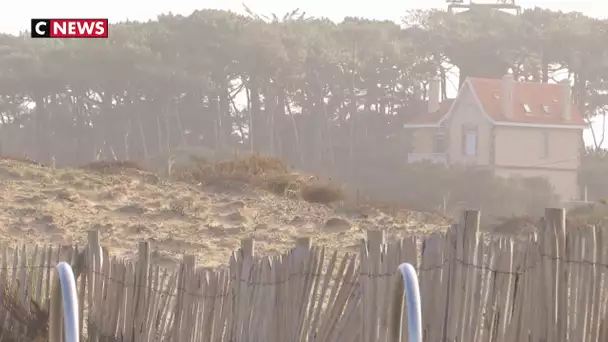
(590, 214)
(434, 187)
(594, 169)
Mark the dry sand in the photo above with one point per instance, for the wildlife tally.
(45, 205)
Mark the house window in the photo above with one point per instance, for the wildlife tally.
(439, 144)
(469, 141)
(527, 109)
(545, 145)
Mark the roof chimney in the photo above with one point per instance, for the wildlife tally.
(567, 99)
(433, 103)
(507, 88)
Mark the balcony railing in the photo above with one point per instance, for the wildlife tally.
(439, 158)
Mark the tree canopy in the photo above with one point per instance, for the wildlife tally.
(327, 97)
(306, 89)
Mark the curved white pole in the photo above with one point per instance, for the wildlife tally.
(410, 287)
(412, 296)
(69, 300)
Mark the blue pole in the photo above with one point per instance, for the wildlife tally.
(412, 298)
(69, 300)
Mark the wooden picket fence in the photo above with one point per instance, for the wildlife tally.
(548, 287)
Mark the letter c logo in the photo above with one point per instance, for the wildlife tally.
(38, 27)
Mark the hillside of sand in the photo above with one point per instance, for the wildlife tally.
(42, 205)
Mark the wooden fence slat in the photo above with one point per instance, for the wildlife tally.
(470, 250)
(549, 286)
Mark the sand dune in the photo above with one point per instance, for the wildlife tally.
(46, 205)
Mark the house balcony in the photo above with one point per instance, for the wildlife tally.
(438, 158)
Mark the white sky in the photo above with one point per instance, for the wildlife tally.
(16, 16)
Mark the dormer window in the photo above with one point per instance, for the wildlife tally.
(527, 109)
(546, 109)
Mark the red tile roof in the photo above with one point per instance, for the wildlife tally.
(535, 95)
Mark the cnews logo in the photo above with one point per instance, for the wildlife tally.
(69, 28)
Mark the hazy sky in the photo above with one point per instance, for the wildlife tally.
(16, 17)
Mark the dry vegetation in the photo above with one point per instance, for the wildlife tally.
(202, 208)
(27, 314)
(113, 166)
(580, 216)
(268, 173)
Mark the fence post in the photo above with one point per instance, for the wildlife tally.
(461, 237)
(370, 267)
(470, 250)
(305, 269)
(248, 247)
(555, 222)
(303, 246)
(375, 240)
(93, 260)
(240, 268)
(94, 249)
(187, 262)
(141, 290)
(597, 255)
